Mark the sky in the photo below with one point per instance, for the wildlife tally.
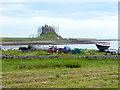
(75, 18)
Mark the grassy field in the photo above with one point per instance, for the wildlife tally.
(60, 73)
(64, 72)
(88, 52)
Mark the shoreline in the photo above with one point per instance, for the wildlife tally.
(55, 42)
(47, 42)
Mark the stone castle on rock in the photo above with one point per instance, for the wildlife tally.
(46, 29)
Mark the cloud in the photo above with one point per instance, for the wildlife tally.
(61, 10)
(24, 10)
(13, 6)
(91, 28)
(20, 18)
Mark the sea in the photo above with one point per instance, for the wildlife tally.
(113, 45)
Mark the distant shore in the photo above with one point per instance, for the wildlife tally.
(47, 42)
(28, 41)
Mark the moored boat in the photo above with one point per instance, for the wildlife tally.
(102, 46)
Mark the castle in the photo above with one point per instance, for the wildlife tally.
(46, 29)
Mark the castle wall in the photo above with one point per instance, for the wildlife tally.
(46, 29)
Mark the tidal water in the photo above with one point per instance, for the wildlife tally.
(113, 45)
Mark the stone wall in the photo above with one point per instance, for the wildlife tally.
(41, 57)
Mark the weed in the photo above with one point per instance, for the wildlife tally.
(57, 75)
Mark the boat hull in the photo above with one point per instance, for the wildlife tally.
(102, 47)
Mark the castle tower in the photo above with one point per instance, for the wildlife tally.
(46, 29)
(49, 32)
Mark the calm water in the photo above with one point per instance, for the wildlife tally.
(113, 45)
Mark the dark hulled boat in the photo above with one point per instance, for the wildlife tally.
(102, 46)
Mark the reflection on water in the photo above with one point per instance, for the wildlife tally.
(113, 45)
(13, 46)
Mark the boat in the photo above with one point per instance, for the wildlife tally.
(102, 46)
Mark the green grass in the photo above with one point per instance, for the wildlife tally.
(41, 52)
(14, 39)
(92, 74)
(49, 35)
(30, 53)
(23, 39)
(14, 64)
(62, 78)
(64, 72)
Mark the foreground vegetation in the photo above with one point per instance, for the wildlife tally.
(16, 64)
(64, 72)
(60, 73)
